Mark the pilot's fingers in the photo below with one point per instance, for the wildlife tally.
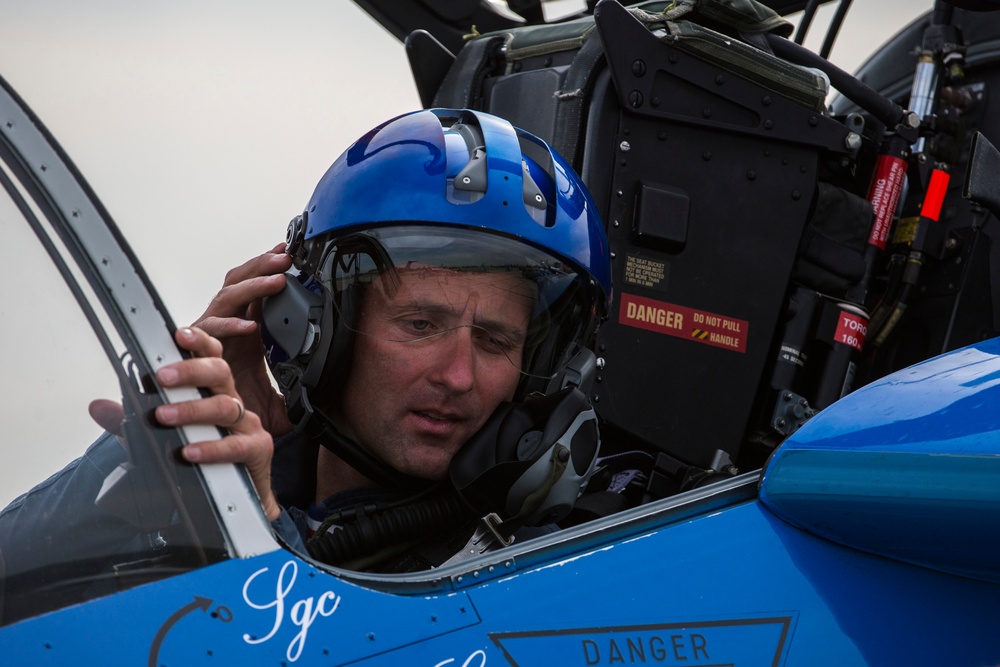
(220, 410)
(253, 451)
(273, 261)
(249, 282)
(198, 342)
(227, 327)
(213, 373)
(233, 299)
(248, 444)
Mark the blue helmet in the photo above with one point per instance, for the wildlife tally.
(467, 169)
(456, 189)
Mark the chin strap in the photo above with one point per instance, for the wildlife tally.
(323, 429)
(313, 423)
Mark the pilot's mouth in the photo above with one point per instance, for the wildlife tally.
(433, 416)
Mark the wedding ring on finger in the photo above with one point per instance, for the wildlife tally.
(240, 416)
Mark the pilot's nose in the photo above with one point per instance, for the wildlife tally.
(455, 364)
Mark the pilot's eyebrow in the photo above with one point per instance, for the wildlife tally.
(493, 325)
(515, 335)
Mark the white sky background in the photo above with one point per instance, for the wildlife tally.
(203, 126)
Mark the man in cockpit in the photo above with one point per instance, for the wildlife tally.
(446, 263)
(447, 267)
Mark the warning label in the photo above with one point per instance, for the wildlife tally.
(851, 330)
(697, 325)
(885, 190)
(645, 272)
(723, 643)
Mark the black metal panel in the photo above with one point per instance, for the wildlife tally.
(693, 325)
(656, 79)
(712, 182)
(526, 99)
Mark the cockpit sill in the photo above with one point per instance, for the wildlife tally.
(568, 543)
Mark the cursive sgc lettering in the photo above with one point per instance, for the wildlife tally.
(302, 613)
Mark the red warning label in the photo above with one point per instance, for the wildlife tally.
(851, 330)
(682, 322)
(884, 194)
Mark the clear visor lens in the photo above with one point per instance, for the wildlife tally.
(453, 292)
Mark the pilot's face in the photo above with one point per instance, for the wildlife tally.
(422, 381)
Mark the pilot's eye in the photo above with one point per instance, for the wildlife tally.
(420, 328)
(495, 343)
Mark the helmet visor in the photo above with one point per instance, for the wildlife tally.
(431, 287)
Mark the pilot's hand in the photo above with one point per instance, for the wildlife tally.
(233, 318)
(247, 443)
(108, 414)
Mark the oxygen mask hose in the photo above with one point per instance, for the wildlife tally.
(371, 534)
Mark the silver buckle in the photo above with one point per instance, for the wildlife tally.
(486, 538)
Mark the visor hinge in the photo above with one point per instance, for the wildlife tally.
(295, 235)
